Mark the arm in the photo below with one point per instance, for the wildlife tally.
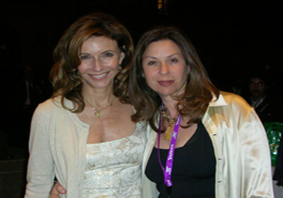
(40, 173)
(255, 154)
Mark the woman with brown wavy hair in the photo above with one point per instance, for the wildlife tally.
(204, 142)
(84, 134)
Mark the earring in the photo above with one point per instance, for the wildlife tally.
(78, 74)
(79, 77)
(119, 77)
(119, 68)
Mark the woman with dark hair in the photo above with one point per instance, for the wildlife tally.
(204, 142)
(84, 134)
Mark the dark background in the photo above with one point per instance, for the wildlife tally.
(231, 35)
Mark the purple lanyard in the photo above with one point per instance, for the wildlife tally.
(169, 162)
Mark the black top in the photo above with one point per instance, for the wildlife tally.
(193, 172)
(270, 110)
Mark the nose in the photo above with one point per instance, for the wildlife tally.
(96, 65)
(255, 86)
(164, 68)
(252, 86)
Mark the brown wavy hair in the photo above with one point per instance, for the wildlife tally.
(64, 74)
(199, 89)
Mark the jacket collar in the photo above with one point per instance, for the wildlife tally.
(211, 119)
(217, 102)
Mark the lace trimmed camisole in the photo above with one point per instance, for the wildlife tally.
(113, 169)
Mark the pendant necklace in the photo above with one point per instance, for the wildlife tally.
(97, 111)
(170, 122)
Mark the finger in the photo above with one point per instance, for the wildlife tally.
(60, 189)
(54, 193)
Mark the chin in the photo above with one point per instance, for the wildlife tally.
(166, 93)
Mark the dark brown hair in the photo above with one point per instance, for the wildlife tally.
(199, 90)
(64, 77)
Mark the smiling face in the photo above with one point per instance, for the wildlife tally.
(164, 67)
(100, 58)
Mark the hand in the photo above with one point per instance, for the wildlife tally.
(57, 190)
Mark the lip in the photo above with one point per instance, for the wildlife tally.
(165, 83)
(99, 76)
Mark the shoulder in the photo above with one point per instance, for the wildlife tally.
(233, 98)
(273, 100)
(231, 106)
(232, 111)
(234, 101)
(53, 105)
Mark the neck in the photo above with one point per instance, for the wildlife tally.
(171, 108)
(257, 98)
(98, 97)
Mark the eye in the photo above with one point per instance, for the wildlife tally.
(173, 60)
(151, 63)
(108, 54)
(85, 57)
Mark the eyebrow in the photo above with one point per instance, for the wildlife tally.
(257, 82)
(173, 55)
(167, 56)
(150, 57)
(109, 50)
(84, 53)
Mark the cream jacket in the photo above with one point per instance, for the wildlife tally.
(57, 147)
(243, 168)
(52, 127)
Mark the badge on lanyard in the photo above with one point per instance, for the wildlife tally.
(167, 171)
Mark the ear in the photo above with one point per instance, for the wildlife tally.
(122, 56)
(188, 70)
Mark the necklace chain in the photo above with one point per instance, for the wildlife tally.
(97, 111)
